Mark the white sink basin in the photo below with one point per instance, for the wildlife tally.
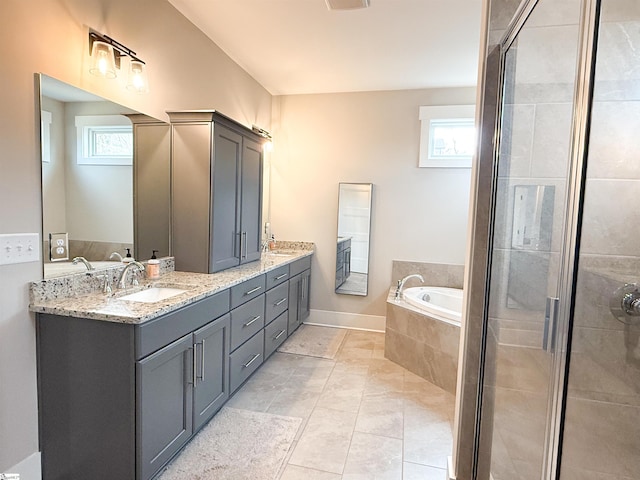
(153, 294)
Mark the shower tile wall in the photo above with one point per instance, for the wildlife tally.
(602, 427)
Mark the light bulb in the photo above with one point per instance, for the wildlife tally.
(103, 63)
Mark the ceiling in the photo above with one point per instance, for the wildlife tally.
(300, 46)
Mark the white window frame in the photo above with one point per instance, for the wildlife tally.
(432, 116)
(87, 126)
(45, 135)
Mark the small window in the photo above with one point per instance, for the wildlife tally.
(447, 136)
(104, 140)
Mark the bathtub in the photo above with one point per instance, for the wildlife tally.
(422, 333)
(443, 303)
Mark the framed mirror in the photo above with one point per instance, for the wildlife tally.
(96, 160)
(354, 234)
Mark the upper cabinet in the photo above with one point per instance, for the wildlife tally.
(216, 192)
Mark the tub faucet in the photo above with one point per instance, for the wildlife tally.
(122, 281)
(83, 260)
(401, 283)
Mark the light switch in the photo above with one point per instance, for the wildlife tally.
(19, 248)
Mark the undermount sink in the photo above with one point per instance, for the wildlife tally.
(152, 295)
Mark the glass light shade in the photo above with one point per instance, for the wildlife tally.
(138, 81)
(103, 62)
(267, 146)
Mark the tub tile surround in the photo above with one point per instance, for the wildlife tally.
(81, 295)
(422, 345)
(434, 274)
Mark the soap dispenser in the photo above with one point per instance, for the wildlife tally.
(128, 258)
(153, 266)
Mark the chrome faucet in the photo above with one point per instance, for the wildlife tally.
(401, 283)
(83, 260)
(117, 255)
(122, 280)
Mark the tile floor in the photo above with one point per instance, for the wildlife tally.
(364, 417)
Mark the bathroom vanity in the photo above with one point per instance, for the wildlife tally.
(124, 385)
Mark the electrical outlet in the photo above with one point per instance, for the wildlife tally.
(19, 248)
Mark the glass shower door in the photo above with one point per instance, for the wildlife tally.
(517, 422)
(601, 439)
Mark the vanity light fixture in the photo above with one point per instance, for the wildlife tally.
(106, 55)
(268, 145)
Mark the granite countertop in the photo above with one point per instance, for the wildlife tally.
(109, 307)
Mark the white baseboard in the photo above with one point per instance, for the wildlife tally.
(450, 472)
(29, 469)
(356, 321)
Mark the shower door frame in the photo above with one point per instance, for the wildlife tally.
(561, 329)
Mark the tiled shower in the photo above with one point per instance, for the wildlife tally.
(560, 383)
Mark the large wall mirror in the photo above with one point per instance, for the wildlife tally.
(352, 245)
(105, 180)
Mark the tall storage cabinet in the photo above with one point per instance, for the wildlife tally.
(216, 192)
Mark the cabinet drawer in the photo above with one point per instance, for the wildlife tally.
(277, 276)
(157, 333)
(275, 333)
(245, 360)
(246, 321)
(247, 290)
(300, 266)
(277, 301)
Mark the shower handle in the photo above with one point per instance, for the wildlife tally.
(624, 304)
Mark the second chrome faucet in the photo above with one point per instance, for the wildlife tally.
(122, 280)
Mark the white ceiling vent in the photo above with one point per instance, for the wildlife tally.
(346, 4)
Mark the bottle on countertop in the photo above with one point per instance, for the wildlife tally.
(153, 266)
(128, 258)
(272, 242)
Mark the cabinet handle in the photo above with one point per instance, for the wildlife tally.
(279, 335)
(202, 363)
(240, 248)
(253, 290)
(252, 320)
(303, 286)
(280, 302)
(244, 242)
(280, 276)
(255, 357)
(194, 366)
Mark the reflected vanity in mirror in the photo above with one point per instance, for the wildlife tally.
(352, 246)
(530, 250)
(105, 179)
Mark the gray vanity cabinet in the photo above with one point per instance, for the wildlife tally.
(164, 404)
(216, 192)
(299, 289)
(180, 388)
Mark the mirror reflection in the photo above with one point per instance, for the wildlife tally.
(88, 152)
(530, 253)
(352, 246)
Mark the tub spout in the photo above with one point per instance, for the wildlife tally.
(401, 283)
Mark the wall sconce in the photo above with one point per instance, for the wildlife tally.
(106, 55)
(268, 145)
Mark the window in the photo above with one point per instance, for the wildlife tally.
(447, 136)
(104, 140)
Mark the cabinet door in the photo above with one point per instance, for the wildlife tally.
(294, 292)
(251, 210)
(212, 370)
(303, 309)
(164, 413)
(225, 213)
